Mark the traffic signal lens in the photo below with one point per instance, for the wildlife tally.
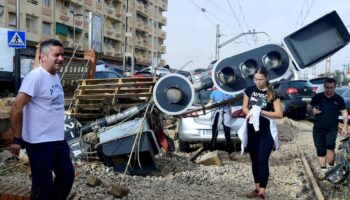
(248, 68)
(226, 75)
(272, 60)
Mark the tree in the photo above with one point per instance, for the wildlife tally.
(337, 75)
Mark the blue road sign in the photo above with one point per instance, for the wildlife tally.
(16, 39)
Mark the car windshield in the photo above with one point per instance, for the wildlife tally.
(300, 84)
(106, 74)
(341, 90)
(318, 80)
(204, 96)
(346, 93)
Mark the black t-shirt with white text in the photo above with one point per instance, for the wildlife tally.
(259, 97)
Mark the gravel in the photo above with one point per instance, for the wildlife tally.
(178, 178)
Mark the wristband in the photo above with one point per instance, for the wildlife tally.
(18, 141)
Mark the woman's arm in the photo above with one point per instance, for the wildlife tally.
(245, 106)
(277, 113)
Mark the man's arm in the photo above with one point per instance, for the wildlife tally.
(16, 120)
(345, 116)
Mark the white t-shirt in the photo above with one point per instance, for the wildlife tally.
(43, 116)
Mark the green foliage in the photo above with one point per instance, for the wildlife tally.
(337, 76)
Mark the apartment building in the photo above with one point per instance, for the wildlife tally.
(129, 27)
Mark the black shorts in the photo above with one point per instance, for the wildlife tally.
(324, 139)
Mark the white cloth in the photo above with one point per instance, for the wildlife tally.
(255, 117)
(243, 133)
(43, 116)
(224, 115)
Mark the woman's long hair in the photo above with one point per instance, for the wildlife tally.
(270, 92)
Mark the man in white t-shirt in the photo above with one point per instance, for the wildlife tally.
(37, 123)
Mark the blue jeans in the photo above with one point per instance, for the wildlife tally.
(46, 158)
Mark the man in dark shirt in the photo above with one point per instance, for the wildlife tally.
(326, 106)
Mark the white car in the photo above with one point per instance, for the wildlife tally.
(195, 127)
(161, 71)
(317, 84)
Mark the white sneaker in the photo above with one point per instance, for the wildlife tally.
(322, 174)
(329, 167)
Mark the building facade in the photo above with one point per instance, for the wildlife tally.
(130, 28)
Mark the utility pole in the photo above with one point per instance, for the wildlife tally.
(133, 37)
(328, 66)
(240, 35)
(217, 42)
(17, 68)
(74, 15)
(313, 73)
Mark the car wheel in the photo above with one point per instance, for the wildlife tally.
(184, 146)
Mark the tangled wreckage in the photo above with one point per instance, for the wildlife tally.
(123, 121)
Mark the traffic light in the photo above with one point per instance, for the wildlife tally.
(173, 94)
(317, 40)
(233, 74)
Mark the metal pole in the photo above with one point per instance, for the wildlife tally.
(133, 37)
(217, 54)
(73, 28)
(17, 69)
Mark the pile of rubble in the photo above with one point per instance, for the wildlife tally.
(178, 177)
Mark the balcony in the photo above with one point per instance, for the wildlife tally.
(88, 5)
(163, 5)
(46, 11)
(99, 6)
(163, 20)
(108, 52)
(118, 36)
(141, 8)
(162, 34)
(46, 37)
(78, 2)
(162, 49)
(32, 8)
(13, 2)
(119, 15)
(63, 17)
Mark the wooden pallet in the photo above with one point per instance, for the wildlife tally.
(14, 192)
(95, 98)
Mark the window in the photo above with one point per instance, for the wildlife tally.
(46, 28)
(66, 4)
(12, 20)
(46, 3)
(31, 24)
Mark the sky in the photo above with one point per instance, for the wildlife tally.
(191, 28)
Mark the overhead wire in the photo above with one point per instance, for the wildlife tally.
(237, 20)
(243, 15)
(300, 14)
(205, 11)
(307, 13)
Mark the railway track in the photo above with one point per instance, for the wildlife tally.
(315, 183)
(309, 172)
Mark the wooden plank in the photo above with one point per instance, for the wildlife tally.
(87, 105)
(87, 115)
(113, 90)
(117, 80)
(84, 96)
(113, 85)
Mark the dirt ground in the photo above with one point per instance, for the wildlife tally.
(179, 178)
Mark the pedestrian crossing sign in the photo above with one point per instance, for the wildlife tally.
(16, 39)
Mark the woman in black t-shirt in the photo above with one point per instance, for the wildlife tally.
(260, 142)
